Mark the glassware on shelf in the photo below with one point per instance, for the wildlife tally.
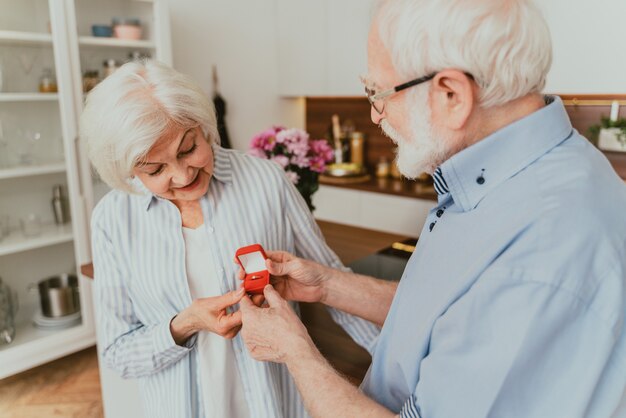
(31, 225)
(47, 82)
(8, 309)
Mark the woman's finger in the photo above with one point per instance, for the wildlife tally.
(229, 299)
(229, 321)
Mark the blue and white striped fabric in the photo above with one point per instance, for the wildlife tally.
(140, 282)
(441, 187)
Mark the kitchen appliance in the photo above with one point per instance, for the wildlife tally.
(58, 295)
(8, 309)
(388, 263)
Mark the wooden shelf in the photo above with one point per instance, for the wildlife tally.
(33, 346)
(390, 186)
(17, 172)
(14, 37)
(16, 242)
(114, 42)
(29, 97)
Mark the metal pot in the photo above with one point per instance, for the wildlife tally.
(59, 295)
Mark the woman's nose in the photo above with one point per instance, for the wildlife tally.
(182, 175)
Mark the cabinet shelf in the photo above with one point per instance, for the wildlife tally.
(17, 172)
(114, 42)
(29, 97)
(33, 346)
(14, 37)
(16, 242)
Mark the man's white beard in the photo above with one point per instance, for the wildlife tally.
(425, 151)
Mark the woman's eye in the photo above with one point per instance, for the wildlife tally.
(158, 171)
(189, 151)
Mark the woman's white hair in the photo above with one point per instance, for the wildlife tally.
(504, 44)
(131, 109)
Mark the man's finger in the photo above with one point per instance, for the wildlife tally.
(272, 296)
(279, 256)
(279, 268)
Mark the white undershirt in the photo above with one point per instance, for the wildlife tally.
(221, 388)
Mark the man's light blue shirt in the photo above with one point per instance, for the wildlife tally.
(513, 304)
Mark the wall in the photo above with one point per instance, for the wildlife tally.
(586, 40)
(240, 38)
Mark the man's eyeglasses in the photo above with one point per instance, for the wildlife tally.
(377, 99)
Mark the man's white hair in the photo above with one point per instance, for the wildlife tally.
(131, 109)
(504, 44)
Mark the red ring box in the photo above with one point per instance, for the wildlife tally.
(252, 260)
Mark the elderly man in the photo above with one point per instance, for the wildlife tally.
(513, 303)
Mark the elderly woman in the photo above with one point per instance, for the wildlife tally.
(163, 246)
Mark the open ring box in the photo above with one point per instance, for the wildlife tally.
(252, 261)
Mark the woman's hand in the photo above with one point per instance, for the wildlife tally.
(208, 314)
(295, 278)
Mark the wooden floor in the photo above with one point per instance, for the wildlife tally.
(70, 387)
(65, 388)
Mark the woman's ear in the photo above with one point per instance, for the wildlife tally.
(453, 99)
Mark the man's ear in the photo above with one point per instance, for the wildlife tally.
(453, 98)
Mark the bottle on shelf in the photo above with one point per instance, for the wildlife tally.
(47, 82)
(59, 205)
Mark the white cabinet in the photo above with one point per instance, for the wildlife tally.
(381, 212)
(322, 46)
(39, 147)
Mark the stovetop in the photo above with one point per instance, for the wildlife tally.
(388, 263)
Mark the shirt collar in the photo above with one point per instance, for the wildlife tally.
(222, 172)
(472, 173)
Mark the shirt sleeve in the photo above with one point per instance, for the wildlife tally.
(514, 347)
(127, 345)
(310, 244)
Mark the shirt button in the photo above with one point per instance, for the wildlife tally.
(210, 229)
(439, 213)
(431, 226)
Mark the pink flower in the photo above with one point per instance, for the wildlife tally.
(318, 164)
(282, 160)
(322, 149)
(300, 160)
(293, 177)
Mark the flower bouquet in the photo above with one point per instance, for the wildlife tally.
(302, 158)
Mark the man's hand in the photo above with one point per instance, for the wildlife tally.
(275, 334)
(295, 278)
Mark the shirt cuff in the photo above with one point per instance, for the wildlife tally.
(165, 344)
